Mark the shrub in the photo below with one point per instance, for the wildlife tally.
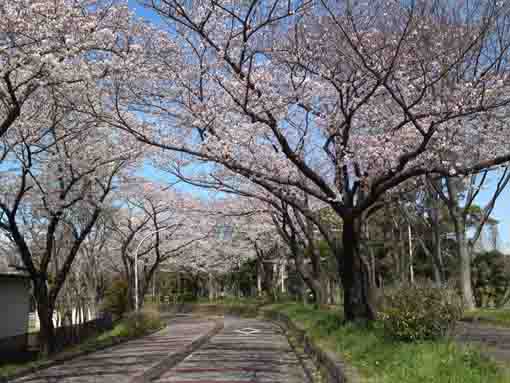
(491, 279)
(187, 297)
(116, 300)
(141, 323)
(414, 313)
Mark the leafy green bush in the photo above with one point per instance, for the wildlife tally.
(414, 313)
(141, 323)
(116, 300)
(491, 279)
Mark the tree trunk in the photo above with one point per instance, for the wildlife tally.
(464, 268)
(47, 338)
(308, 278)
(395, 252)
(318, 290)
(145, 284)
(403, 259)
(260, 271)
(358, 300)
(438, 257)
(267, 279)
(131, 293)
(432, 256)
(458, 216)
(317, 284)
(211, 287)
(179, 283)
(301, 289)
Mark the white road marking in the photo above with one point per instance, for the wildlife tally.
(248, 331)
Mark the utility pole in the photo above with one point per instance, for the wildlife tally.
(411, 268)
(136, 263)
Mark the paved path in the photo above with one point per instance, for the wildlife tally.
(122, 363)
(246, 350)
(496, 339)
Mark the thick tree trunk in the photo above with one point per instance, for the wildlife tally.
(464, 268)
(458, 216)
(47, 339)
(145, 284)
(129, 276)
(313, 284)
(433, 257)
(358, 299)
(318, 286)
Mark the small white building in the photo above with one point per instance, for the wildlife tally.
(15, 306)
(14, 303)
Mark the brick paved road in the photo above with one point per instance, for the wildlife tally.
(496, 340)
(247, 350)
(121, 363)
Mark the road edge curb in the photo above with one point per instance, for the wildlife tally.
(67, 356)
(334, 369)
(175, 358)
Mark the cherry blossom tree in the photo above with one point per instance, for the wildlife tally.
(342, 101)
(85, 287)
(51, 50)
(59, 164)
(60, 193)
(157, 224)
(241, 230)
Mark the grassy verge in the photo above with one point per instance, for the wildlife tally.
(237, 302)
(123, 330)
(380, 360)
(499, 317)
(245, 306)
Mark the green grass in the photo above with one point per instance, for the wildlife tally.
(381, 360)
(229, 303)
(494, 316)
(233, 301)
(240, 302)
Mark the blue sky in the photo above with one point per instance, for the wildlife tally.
(141, 11)
(501, 213)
